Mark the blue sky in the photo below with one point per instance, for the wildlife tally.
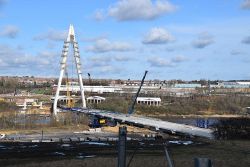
(172, 39)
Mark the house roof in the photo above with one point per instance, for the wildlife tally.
(96, 98)
(148, 99)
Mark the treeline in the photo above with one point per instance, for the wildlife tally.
(11, 85)
(8, 85)
(7, 106)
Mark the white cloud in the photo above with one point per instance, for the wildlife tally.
(99, 15)
(9, 31)
(48, 55)
(121, 58)
(236, 52)
(246, 40)
(108, 69)
(104, 45)
(13, 58)
(102, 64)
(94, 39)
(159, 62)
(125, 10)
(204, 39)
(7, 52)
(179, 59)
(245, 4)
(53, 35)
(100, 61)
(97, 61)
(163, 62)
(157, 35)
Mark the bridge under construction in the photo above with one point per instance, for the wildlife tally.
(129, 119)
(151, 123)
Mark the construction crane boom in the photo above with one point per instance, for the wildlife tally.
(89, 79)
(131, 108)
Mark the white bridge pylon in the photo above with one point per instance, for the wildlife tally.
(71, 40)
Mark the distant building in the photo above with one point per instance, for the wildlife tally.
(150, 101)
(94, 89)
(95, 99)
(187, 85)
(234, 84)
(24, 103)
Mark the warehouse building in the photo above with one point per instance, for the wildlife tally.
(150, 101)
(95, 99)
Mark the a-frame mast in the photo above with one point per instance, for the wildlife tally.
(71, 40)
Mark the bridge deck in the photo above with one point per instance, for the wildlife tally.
(152, 123)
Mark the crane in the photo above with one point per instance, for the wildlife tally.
(89, 78)
(131, 108)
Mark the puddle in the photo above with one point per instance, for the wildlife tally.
(96, 143)
(33, 146)
(23, 147)
(65, 145)
(3, 147)
(180, 142)
(86, 156)
(57, 154)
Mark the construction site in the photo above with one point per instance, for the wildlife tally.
(133, 123)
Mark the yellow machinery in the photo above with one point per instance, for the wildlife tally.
(70, 100)
(102, 121)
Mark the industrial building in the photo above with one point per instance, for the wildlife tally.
(24, 103)
(95, 99)
(234, 84)
(150, 101)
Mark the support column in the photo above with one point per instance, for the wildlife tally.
(63, 65)
(78, 68)
(122, 146)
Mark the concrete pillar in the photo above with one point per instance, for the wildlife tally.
(25, 105)
(40, 105)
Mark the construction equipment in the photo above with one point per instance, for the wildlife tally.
(89, 79)
(131, 108)
(70, 100)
